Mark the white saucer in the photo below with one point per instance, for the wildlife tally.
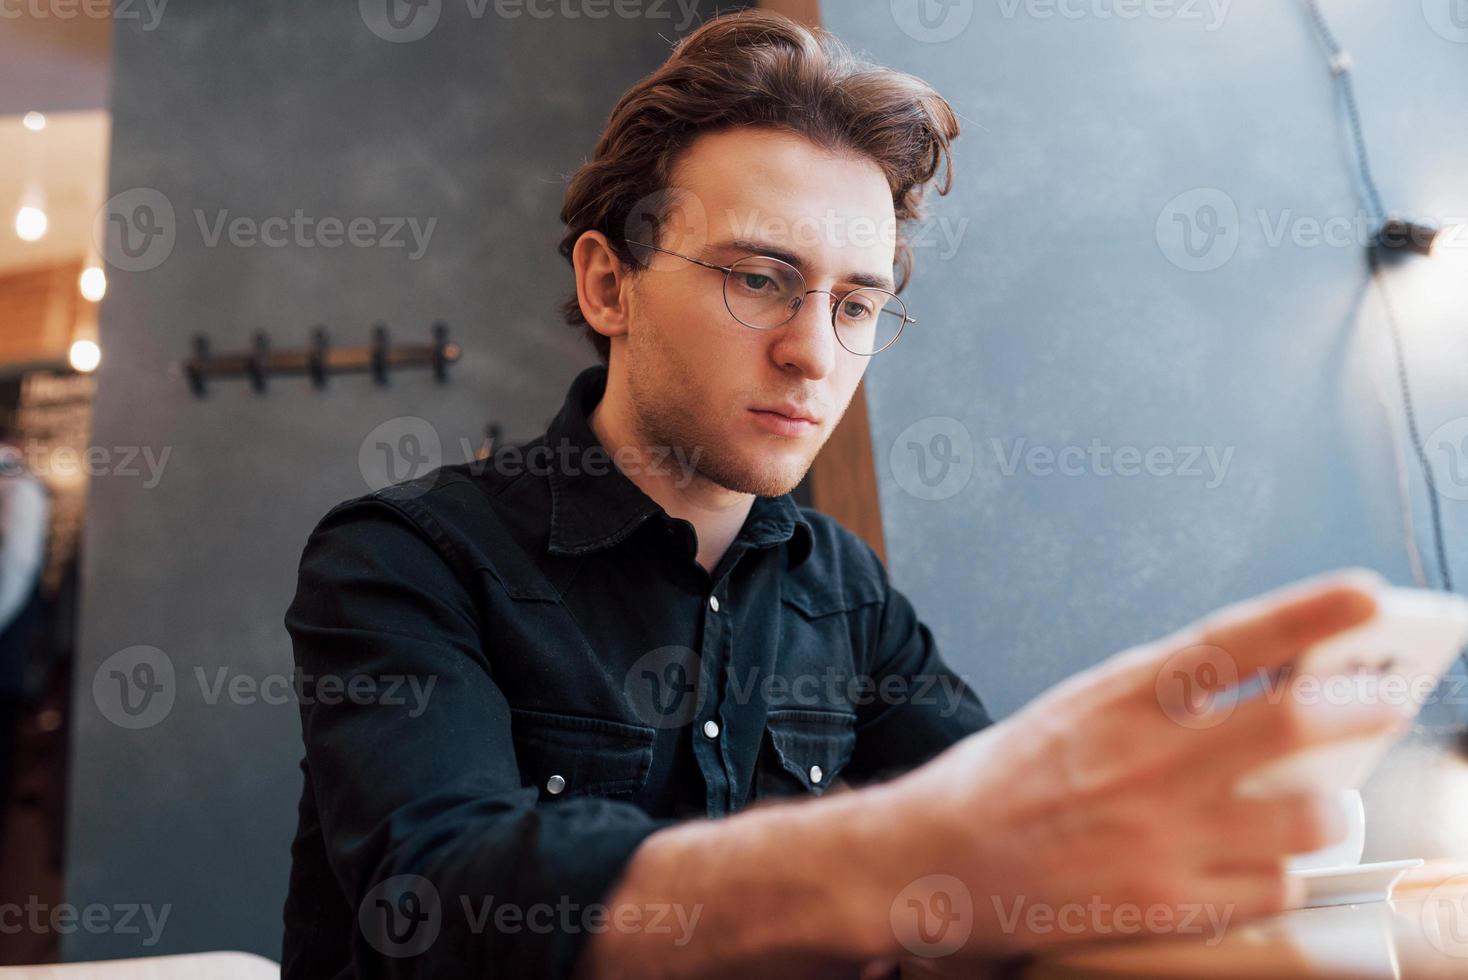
(1352, 884)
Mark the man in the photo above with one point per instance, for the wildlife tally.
(25, 509)
(644, 667)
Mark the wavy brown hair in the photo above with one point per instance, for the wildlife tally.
(759, 68)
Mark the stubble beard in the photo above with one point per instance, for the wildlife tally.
(667, 413)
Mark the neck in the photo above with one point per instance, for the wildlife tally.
(715, 512)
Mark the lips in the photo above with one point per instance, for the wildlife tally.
(793, 412)
(786, 420)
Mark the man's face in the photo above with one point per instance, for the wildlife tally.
(698, 378)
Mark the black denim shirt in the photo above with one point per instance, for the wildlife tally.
(512, 671)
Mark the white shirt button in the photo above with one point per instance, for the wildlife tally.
(816, 774)
(714, 603)
(554, 785)
(711, 728)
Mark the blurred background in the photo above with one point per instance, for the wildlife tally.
(1164, 361)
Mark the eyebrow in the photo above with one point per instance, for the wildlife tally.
(763, 248)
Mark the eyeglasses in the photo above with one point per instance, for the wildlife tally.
(764, 293)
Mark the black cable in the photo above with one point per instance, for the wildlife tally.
(1394, 329)
(1340, 70)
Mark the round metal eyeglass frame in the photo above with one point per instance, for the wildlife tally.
(728, 270)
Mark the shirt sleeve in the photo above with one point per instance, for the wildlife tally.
(427, 828)
(915, 705)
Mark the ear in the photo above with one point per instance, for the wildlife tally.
(601, 281)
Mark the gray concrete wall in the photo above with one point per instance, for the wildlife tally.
(1059, 305)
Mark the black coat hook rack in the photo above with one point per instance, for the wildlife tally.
(319, 359)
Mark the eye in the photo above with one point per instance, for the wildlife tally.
(855, 310)
(755, 281)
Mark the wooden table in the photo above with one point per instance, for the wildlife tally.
(1421, 932)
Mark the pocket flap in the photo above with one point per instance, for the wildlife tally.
(815, 600)
(573, 755)
(813, 746)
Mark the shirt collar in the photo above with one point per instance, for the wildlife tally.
(595, 506)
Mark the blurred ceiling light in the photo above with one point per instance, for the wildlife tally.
(93, 283)
(85, 355)
(30, 220)
(34, 121)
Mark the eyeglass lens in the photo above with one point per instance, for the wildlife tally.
(765, 293)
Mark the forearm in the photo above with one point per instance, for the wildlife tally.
(787, 889)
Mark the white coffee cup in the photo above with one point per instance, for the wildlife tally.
(1345, 852)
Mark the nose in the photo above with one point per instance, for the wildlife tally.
(807, 343)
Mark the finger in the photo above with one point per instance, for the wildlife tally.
(1239, 892)
(1263, 634)
(1229, 894)
(1284, 721)
(1265, 831)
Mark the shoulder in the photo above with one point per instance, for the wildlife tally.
(841, 573)
(833, 543)
(477, 515)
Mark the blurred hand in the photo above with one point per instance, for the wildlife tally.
(1115, 790)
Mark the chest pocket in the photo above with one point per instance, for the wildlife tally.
(827, 627)
(804, 751)
(570, 755)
